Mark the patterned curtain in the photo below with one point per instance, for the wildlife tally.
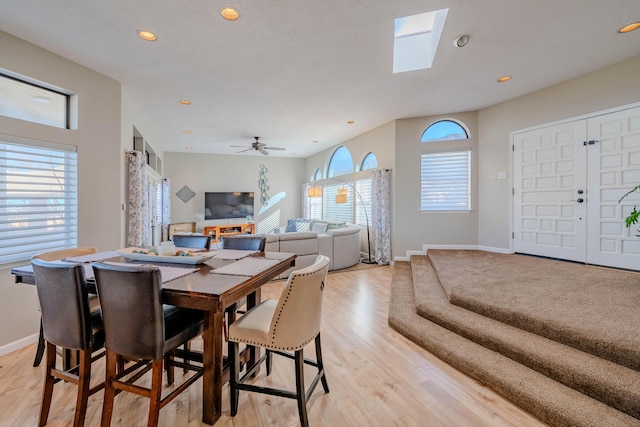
(304, 205)
(166, 208)
(138, 201)
(381, 215)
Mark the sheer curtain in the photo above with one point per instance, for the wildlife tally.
(381, 215)
(138, 222)
(166, 208)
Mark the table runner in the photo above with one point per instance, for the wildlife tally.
(232, 254)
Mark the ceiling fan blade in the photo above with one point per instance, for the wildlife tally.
(263, 152)
(244, 151)
(274, 148)
(238, 146)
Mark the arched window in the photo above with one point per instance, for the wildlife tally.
(341, 163)
(444, 130)
(317, 175)
(369, 162)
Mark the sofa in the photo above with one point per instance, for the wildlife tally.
(309, 238)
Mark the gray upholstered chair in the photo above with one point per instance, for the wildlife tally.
(68, 323)
(139, 327)
(54, 256)
(282, 326)
(191, 241)
(249, 242)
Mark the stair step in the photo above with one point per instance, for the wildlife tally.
(543, 397)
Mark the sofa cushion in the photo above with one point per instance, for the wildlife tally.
(319, 227)
(298, 224)
(335, 225)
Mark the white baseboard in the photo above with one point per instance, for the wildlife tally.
(425, 248)
(16, 345)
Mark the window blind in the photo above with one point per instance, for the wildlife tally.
(38, 201)
(363, 186)
(445, 180)
(340, 212)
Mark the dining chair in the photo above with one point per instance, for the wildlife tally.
(67, 322)
(283, 326)
(93, 299)
(191, 241)
(249, 242)
(139, 327)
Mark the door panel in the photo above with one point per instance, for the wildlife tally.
(549, 170)
(614, 168)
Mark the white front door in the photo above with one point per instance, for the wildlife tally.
(613, 154)
(549, 174)
(568, 179)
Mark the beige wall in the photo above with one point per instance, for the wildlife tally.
(609, 87)
(98, 140)
(412, 228)
(209, 172)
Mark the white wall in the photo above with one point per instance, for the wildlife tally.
(98, 140)
(609, 87)
(215, 173)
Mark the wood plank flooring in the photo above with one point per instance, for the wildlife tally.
(376, 378)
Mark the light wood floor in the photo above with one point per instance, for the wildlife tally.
(376, 378)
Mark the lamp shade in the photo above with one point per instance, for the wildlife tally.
(315, 191)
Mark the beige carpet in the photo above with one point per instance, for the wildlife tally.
(594, 309)
(561, 385)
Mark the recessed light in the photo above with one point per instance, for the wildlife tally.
(185, 102)
(350, 122)
(147, 35)
(315, 142)
(230, 14)
(504, 79)
(189, 147)
(628, 28)
(461, 41)
(186, 131)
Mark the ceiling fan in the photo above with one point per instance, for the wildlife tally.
(258, 146)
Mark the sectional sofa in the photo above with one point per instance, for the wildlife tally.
(309, 238)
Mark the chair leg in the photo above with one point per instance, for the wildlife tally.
(168, 358)
(234, 375)
(109, 392)
(300, 390)
(49, 381)
(325, 385)
(41, 346)
(156, 393)
(84, 378)
(269, 359)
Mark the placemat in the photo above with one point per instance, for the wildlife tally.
(246, 267)
(232, 254)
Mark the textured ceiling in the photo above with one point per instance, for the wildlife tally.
(295, 71)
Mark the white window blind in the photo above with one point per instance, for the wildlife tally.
(340, 212)
(315, 207)
(363, 186)
(445, 180)
(38, 201)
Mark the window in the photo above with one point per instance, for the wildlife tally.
(341, 163)
(339, 212)
(369, 162)
(317, 175)
(444, 130)
(363, 210)
(444, 180)
(25, 101)
(38, 200)
(415, 40)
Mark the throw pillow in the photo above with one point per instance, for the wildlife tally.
(335, 225)
(291, 226)
(319, 227)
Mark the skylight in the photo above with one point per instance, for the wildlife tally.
(416, 40)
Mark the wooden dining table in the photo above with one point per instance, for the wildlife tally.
(213, 293)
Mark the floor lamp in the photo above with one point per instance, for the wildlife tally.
(341, 197)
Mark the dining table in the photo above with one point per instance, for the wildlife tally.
(213, 286)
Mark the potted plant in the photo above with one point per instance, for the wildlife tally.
(634, 215)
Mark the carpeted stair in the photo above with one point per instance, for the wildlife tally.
(559, 384)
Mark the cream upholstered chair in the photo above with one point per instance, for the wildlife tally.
(94, 306)
(281, 326)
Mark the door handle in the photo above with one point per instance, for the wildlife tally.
(580, 200)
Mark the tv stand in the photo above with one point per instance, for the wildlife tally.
(217, 231)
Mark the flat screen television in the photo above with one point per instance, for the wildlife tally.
(228, 205)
